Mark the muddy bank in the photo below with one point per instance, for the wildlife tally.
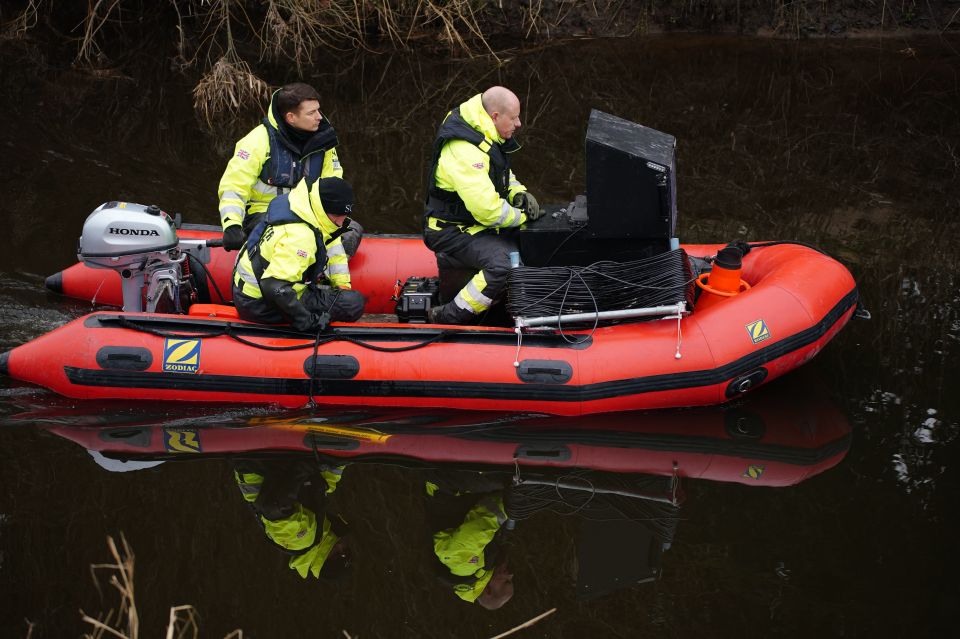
(231, 52)
(192, 32)
(770, 18)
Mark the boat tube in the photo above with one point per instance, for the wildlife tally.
(798, 300)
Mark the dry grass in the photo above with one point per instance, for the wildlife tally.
(17, 28)
(124, 621)
(295, 30)
(98, 14)
(228, 87)
(179, 626)
(525, 624)
(453, 16)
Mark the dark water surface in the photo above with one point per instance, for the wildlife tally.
(852, 146)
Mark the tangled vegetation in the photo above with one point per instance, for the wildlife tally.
(223, 41)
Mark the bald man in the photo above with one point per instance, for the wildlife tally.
(474, 202)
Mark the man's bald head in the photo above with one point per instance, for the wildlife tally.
(503, 107)
(499, 590)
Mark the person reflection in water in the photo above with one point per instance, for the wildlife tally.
(289, 500)
(470, 553)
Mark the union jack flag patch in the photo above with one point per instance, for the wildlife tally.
(301, 253)
(243, 155)
(478, 165)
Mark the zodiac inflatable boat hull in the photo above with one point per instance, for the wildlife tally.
(798, 300)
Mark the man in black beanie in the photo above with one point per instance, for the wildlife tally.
(293, 266)
(289, 499)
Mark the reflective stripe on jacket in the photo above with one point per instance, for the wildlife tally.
(296, 534)
(463, 550)
(245, 187)
(473, 169)
(289, 251)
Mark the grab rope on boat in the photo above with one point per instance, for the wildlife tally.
(227, 331)
(313, 362)
(677, 355)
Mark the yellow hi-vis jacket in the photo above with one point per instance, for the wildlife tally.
(462, 549)
(300, 533)
(241, 191)
(290, 249)
(464, 168)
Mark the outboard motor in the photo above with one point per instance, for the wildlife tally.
(140, 243)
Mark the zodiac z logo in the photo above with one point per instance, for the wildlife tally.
(754, 471)
(181, 440)
(181, 355)
(758, 331)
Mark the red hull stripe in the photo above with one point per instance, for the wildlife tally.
(467, 390)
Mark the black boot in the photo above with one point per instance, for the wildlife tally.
(450, 313)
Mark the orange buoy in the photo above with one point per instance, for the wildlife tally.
(723, 281)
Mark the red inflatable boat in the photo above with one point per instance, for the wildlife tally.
(600, 316)
(786, 304)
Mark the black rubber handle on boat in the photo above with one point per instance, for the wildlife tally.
(214, 242)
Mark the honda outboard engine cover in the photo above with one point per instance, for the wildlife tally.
(120, 234)
(140, 243)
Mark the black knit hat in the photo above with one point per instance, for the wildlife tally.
(336, 196)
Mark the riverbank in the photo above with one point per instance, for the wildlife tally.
(771, 18)
(232, 51)
(199, 31)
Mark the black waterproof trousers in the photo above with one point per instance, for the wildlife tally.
(489, 253)
(343, 305)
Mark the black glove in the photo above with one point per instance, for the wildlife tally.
(319, 322)
(233, 238)
(282, 295)
(529, 204)
(351, 237)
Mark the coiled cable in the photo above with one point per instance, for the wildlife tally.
(660, 280)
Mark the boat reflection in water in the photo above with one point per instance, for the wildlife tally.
(485, 474)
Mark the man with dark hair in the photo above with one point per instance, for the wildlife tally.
(293, 142)
(474, 202)
(295, 246)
